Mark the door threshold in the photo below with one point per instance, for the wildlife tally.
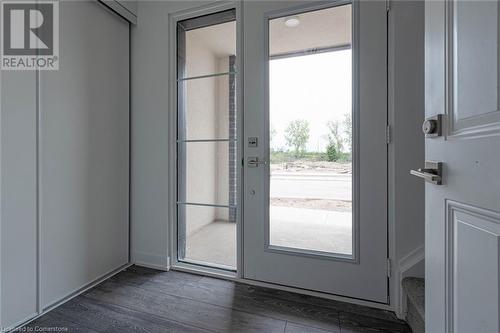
(204, 270)
(233, 276)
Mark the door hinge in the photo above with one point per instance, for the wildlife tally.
(388, 134)
(389, 267)
(387, 5)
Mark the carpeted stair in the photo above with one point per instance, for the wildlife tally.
(414, 289)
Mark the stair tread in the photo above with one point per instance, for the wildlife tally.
(415, 289)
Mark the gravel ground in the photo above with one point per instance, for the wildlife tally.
(308, 166)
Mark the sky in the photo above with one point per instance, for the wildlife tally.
(316, 88)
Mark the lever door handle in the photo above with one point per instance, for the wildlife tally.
(432, 173)
(430, 177)
(254, 162)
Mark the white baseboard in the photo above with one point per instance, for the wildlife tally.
(151, 260)
(67, 298)
(404, 269)
(20, 323)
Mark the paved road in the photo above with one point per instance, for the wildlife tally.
(311, 186)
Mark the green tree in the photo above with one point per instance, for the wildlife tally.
(347, 124)
(335, 141)
(272, 136)
(334, 135)
(332, 154)
(297, 135)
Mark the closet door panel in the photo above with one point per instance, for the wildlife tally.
(84, 164)
(18, 197)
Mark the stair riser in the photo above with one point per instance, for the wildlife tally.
(414, 319)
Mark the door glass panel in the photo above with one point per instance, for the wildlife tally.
(206, 140)
(210, 236)
(207, 46)
(310, 111)
(205, 172)
(206, 106)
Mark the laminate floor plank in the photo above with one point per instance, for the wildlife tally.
(297, 328)
(249, 299)
(194, 313)
(143, 300)
(53, 322)
(315, 301)
(105, 317)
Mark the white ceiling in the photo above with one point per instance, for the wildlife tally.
(220, 38)
(323, 28)
(318, 29)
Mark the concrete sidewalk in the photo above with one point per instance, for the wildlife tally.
(312, 229)
(300, 228)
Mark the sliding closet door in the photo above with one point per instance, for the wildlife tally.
(84, 151)
(18, 287)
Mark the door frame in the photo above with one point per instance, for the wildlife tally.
(173, 19)
(172, 262)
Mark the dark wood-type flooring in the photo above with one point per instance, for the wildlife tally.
(145, 300)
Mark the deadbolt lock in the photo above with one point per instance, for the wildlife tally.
(433, 126)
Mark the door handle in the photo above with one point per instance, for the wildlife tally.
(432, 173)
(253, 162)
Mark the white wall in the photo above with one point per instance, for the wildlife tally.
(150, 131)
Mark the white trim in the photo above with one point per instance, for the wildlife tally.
(152, 266)
(84, 288)
(150, 260)
(1, 201)
(38, 194)
(391, 161)
(404, 264)
(173, 18)
(120, 10)
(239, 137)
(22, 322)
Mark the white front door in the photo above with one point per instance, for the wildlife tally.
(462, 232)
(315, 153)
